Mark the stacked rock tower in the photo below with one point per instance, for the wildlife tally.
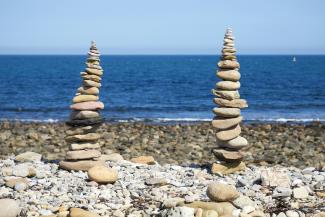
(85, 118)
(227, 113)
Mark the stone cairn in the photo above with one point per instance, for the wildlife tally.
(85, 118)
(227, 113)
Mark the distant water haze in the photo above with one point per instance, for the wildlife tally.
(162, 88)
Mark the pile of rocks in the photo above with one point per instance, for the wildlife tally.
(227, 113)
(155, 190)
(84, 149)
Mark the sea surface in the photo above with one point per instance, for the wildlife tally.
(162, 88)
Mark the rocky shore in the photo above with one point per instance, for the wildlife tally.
(30, 187)
(183, 144)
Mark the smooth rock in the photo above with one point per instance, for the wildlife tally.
(248, 209)
(243, 201)
(228, 156)
(156, 181)
(102, 174)
(228, 85)
(77, 212)
(257, 213)
(300, 193)
(227, 167)
(79, 165)
(210, 213)
(84, 114)
(94, 71)
(228, 64)
(226, 94)
(228, 134)
(87, 106)
(89, 137)
(291, 213)
(275, 177)
(225, 123)
(235, 103)
(178, 212)
(235, 144)
(81, 130)
(220, 192)
(28, 157)
(90, 83)
(95, 78)
(86, 122)
(21, 170)
(81, 146)
(20, 186)
(114, 157)
(9, 208)
(144, 160)
(13, 181)
(227, 112)
(222, 208)
(93, 66)
(88, 90)
(172, 202)
(82, 154)
(84, 98)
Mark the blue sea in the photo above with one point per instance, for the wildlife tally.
(162, 88)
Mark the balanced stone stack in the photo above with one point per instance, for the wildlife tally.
(85, 118)
(227, 113)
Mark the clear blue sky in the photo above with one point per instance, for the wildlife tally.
(161, 26)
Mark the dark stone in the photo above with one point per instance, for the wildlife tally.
(86, 122)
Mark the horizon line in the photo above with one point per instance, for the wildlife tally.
(156, 54)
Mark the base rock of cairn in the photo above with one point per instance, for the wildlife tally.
(85, 118)
(227, 113)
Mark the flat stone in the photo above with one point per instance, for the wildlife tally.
(28, 157)
(242, 201)
(114, 157)
(84, 98)
(220, 192)
(275, 177)
(93, 66)
(228, 85)
(90, 83)
(228, 156)
(144, 160)
(76, 212)
(88, 106)
(91, 53)
(226, 94)
(229, 57)
(227, 167)
(95, 78)
(227, 112)
(81, 146)
(102, 174)
(236, 143)
(13, 181)
(228, 134)
(222, 208)
(300, 193)
(235, 103)
(86, 122)
(94, 71)
(210, 213)
(79, 165)
(291, 213)
(21, 170)
(82, 154)
(88, 90)
(81, 130)
(228, 64)
(229, 50)
(79, 115)
(156, 181)
(9, 208)
(89, 137)
(225, 123)
(231, 75)
(172, 202)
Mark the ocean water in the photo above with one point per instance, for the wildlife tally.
(162, 88)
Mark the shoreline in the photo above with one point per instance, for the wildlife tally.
(286, 144)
